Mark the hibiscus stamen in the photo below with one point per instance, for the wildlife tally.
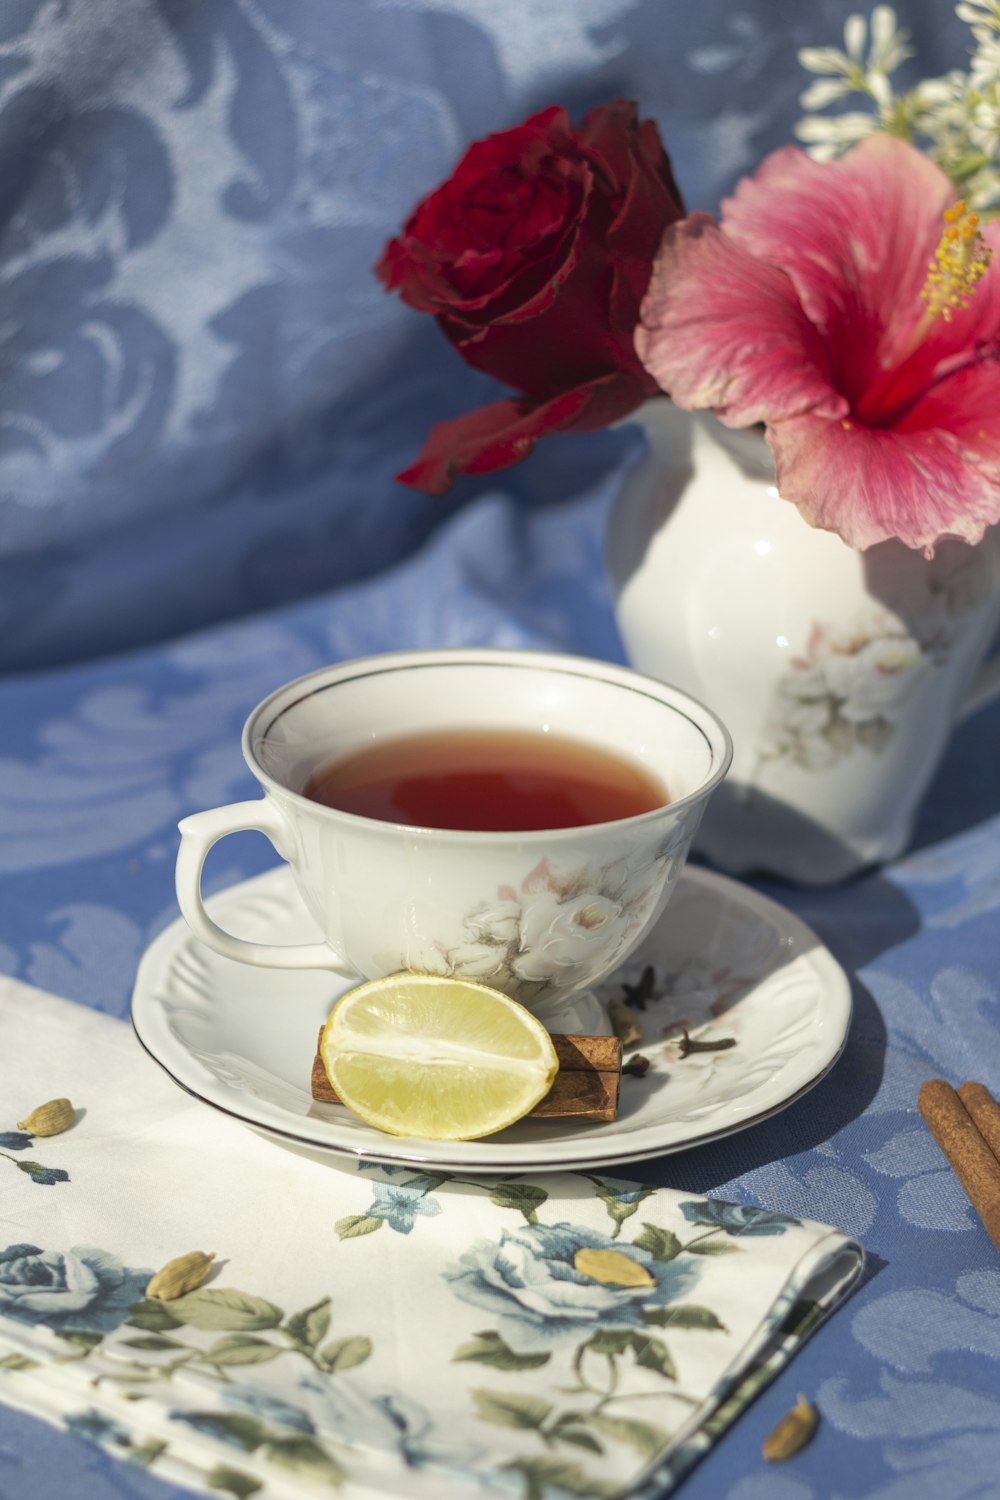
(960, 263)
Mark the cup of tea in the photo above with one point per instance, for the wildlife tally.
(515, 817)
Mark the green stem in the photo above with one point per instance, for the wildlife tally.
(583, 1383)
(649, 1396)
(149, 1374)
(296, 1346)
(706, 1236)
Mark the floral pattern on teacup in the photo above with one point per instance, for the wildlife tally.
(555, 930)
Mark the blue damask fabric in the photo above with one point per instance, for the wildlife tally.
(204, 395)
(204, 391)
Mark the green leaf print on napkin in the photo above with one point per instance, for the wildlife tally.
(489, 1349)
(225, 1308)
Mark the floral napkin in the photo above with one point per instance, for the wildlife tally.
(374, 1330)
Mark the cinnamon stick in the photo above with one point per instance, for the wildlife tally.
(969, 1154)
(985, 1112)
(585, 1088)
(587, 1083)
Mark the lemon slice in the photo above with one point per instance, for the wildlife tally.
(446, 1059)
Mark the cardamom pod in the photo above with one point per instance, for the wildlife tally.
(49, 1119)
(792, 1433)
(623, 1023)
(183, 1274)
(612, 1267)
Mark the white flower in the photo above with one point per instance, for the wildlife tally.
(986, 62)
(890, 44)
(477, 960)
(492, 930)
(877, 681)
(855, 36)
(850, 70)
(559, 936)
(818, 753)
(933, 93)
(804, 716)
(975, 12)
(985, 127)
(807, 683)
(824, 60)
(829, 137)
(955, 119)
(881, 91)
(495, 922)
(815, 745)
(823, 92)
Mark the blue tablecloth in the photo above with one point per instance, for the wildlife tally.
(100, 760)
(204, 397)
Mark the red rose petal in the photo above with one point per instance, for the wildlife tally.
(504, 433)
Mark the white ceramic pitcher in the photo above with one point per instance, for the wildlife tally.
(839, 673)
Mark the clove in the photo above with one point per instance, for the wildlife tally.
(637, 1066)
(639, 995)
(689, 1044)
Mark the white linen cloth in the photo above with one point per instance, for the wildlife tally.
(366, 1329)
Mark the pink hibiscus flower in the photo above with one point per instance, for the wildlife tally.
(828, 306)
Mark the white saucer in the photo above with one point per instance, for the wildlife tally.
(726, 963)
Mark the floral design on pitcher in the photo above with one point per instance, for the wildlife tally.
(847, 689)
(555, 927)
(851, 684)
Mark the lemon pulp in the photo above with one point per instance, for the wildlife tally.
(445, 1059)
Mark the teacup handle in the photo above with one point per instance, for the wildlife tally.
(198, 833)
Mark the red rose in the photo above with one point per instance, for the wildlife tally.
(534, 256)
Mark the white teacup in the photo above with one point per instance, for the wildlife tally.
(540, 915)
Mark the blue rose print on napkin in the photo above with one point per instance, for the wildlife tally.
(83, 1289)
(533, 1281)
(736, 1218)
(388, 1421)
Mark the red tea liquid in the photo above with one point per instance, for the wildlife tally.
(487, 781)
